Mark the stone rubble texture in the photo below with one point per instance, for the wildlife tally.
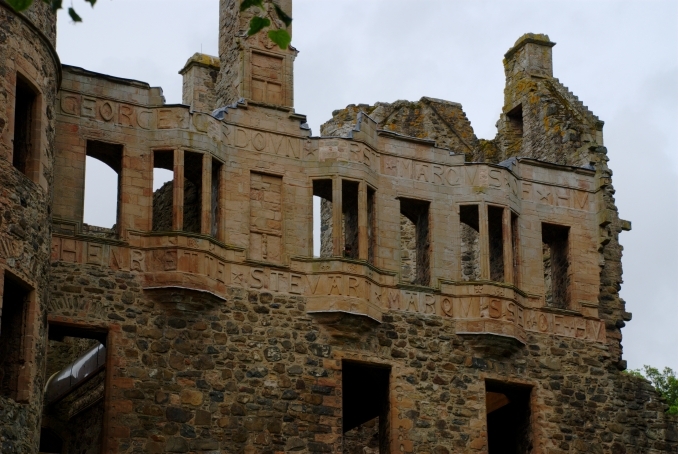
(225, 334)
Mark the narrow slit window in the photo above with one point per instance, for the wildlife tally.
(13, 327)
(73, 410)
(163, 186)
(470, 242)
(415, 243)
(349, 207)
(515, 245)
(322, 218)
(555, 239)
(371, 225)
(508, 418)
(214, 199)
(103, 168)
(24, 126)
(365, 407)
(496, 237)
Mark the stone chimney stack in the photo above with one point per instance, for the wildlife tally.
(530, 56)
(253, 68)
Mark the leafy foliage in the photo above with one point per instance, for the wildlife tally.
(262, 18)
(257, 24)
(665, 382)
(23, 5)
(280, 37)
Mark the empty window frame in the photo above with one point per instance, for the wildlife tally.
(470, 242)
(73, 410)
(508, 418)
(163, 189)
(515, 120)
(192, 192)
(495, 230)
(365, 407)
(14, 324)
(26, 129)
(515, 247)
(103, 167)
(322, 218)
(177, 204)
(215, 207)
(371, 225)
(349, 218)
(415, 243)
(556, 260)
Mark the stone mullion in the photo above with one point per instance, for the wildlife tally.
(362, 221)
(508, 246)
(178, 191)
(337, 230)
(206, 196)
(484, 242)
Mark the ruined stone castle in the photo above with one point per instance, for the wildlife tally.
(465, 297)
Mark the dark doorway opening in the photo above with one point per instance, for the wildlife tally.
(508, 418)
(14, 313)
(50, 442)
(365, 404)
(73, 404)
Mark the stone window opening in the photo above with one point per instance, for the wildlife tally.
(193, 171)
(215, 208)
(75, 380)
(556, 261)
(371, 225)
(515, 120)
(415, 243)
(322, 218)
(178, 203)
(103, 180)
(365, 408)
(508, 418)
(515, 247)
(15, 323)
(495, 231)
(470, 242)
(25, 154)
(349, 218)
(163, 185)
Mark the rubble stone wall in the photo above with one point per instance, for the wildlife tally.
(27, 50)
(255, 373)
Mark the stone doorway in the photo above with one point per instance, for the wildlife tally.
(73, 405)
(508, 418)
(365, 405)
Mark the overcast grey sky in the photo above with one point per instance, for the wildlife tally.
(619, 57)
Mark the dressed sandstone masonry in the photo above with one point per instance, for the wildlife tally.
(465, 298)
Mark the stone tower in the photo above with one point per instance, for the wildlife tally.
(252, 68)
(30, 75)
